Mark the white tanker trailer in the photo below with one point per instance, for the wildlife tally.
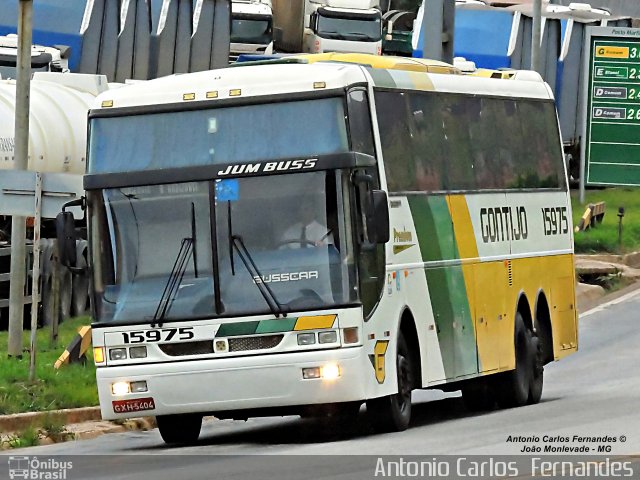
(57, 149)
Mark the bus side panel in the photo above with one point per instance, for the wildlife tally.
(487, 283)
(446, 283)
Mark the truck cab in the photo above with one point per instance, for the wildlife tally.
(43, 59)
(251, 28)
(339, 29)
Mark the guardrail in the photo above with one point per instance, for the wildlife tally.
(593, 215)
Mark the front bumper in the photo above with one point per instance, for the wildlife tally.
(251, 382)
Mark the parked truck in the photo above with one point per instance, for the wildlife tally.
(251, 28)
(317, 26)
(43, 59)
(57, 151)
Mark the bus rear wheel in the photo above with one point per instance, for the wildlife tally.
(179, 429)
(523, 384)
(393, 413)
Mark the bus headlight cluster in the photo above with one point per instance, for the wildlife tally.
(123, 388)
(330, 336)
(121, 353)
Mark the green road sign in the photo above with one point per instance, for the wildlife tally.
(611, 133)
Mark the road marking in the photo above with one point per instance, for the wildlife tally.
(615, 301)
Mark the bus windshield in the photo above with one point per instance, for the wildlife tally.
(212, 136)
(288, 232)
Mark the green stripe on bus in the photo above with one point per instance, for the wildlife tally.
(381, 78)
(238, 328)
(447, 290)
(278, 325)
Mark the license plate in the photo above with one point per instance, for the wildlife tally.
(133, 405)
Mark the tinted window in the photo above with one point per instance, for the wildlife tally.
(434, 142)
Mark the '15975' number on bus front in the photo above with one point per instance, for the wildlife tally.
(183, 333)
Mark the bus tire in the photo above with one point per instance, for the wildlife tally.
(393, 412)
(537, 376)
(512, 389)
(179, 429)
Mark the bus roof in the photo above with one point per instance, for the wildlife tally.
(317, 73)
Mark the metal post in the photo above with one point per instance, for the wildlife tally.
(437, 30)
(535, 36)
(18, 227)
(55, 292)
(35, 284)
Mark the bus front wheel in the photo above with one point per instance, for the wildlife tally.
(393, 413)
(179, 429)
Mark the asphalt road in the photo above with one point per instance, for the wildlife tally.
(593, 393)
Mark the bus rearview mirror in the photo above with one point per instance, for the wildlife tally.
(378, 219)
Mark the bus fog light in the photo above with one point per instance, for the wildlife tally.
(328, 337)
(313, 372)
(117, 353)
(350, 335)
(120, 388)
(138, 352)
(330, 371)
(138, 387)
(306, 338)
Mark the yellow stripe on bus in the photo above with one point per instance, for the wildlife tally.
(315, 322)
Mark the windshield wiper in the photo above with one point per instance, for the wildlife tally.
(274, 305)
(173, 283)
(359, 35)
(331, 34)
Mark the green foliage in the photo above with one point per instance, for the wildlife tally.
(69, 387)
(604, 237)
(27, 438)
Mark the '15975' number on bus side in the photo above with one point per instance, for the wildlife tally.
(555, 220)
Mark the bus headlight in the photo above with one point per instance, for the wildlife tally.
(330, 371)
(117, 353)
(138, 352)
(306, 338)
(120, 388)
(328, 337)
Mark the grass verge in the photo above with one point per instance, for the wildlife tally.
(71, 386)
(604, 237)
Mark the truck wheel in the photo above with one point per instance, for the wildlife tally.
(512, 388)
(80, 292)
(179, 429)
(66, 291)
(393, 413)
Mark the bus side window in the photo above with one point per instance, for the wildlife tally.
(360, 128)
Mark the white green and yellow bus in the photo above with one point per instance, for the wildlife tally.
(446, 262)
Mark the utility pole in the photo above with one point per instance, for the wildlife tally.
(18, 226)
(536, 33)
(437, 30)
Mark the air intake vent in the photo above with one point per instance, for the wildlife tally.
(187, 348)
(510, 273)
(241, 344)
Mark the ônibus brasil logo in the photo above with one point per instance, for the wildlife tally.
(32, 468)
